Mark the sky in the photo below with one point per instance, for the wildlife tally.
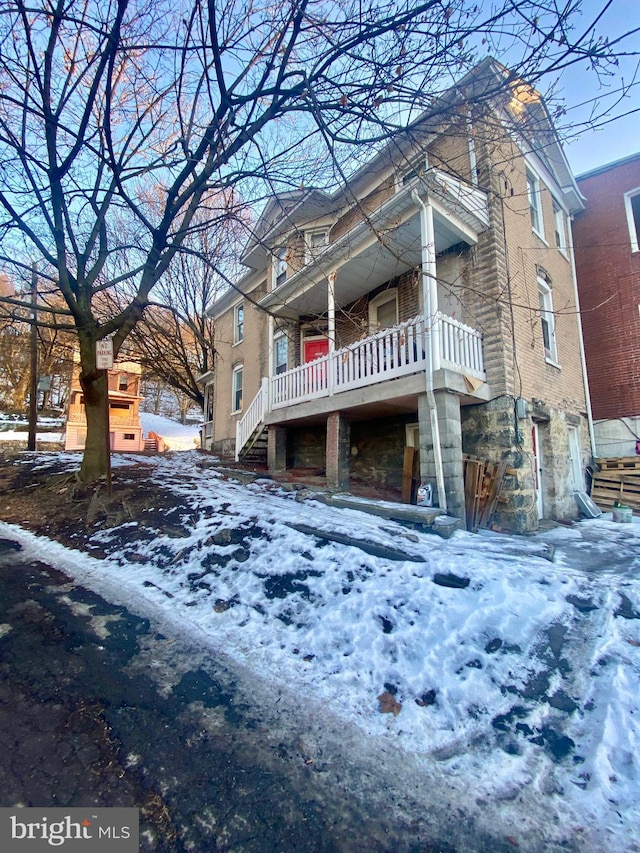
(502, 668)
(614, 139)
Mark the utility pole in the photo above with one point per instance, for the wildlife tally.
(33, 392)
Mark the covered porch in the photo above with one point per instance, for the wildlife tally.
(424, 230)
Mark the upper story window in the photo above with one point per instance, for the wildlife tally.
(383, 310)
(123, 382)
(238, 323)
(632, 205)
(280, 265)
(560, 227)
(315, 241)
(535, 203)
(416, 170)
(236, 388)
(547, 321)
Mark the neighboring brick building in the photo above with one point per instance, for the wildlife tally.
(606, 238)
(429, 304)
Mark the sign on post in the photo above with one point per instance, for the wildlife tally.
(104, 354)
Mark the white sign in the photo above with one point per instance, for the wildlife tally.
(104, 354)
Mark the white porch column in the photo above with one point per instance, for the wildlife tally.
(331, 310)
(430, 281)
(270, 326)
(432, 329)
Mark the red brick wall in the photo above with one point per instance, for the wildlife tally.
(609, 286)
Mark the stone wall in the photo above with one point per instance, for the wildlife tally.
(489, 432)
(306, 447)
(377, 450)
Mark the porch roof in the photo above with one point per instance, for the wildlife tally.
(384, 245)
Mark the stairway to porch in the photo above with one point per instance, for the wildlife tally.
(255, 449)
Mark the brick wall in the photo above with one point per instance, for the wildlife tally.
(609, 286)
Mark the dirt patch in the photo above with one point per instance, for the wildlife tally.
(51, 502)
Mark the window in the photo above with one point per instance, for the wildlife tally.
(560, 228)
(123, 382)
(236, 402)
(279, 354)
(315, 242)
(547, 321)
(632, 205)
(535, 203)
(238, 323)
(129, 436)
(417, 170)
(280, 267)
(383, 310)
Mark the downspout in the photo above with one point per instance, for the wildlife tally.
(429, 281)
(583, 358)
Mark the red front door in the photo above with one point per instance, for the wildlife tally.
(315, 348)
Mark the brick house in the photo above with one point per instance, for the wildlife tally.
(607, 250)
(125, 429)
(417, 306)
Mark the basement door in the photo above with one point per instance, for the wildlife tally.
(537, 468)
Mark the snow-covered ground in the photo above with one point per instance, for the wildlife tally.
(510, 676)
(15, 428)
(176, 436)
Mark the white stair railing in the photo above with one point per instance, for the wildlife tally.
(251, 419)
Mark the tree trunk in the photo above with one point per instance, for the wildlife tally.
(95, 387)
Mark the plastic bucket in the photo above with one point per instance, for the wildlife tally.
(623, 514)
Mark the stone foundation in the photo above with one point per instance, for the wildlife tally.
(491, 431)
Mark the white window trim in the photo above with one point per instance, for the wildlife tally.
(279, 336)
(633, 233)
(419, 165)
(239, 368)
(382, 299)
(279, 257)
(559, 214)
(534, 198)
(545, 291)
(311, 252)
(237, 339)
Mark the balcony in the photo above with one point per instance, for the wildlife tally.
(391, 354)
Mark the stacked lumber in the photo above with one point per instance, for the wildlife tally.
(617, 480)
(482, 483)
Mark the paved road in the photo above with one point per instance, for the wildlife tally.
(98, 708)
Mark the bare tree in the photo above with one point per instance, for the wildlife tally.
(102, 102)
(175, 340)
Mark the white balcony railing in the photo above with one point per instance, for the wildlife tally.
(389, 354)
(461, 347)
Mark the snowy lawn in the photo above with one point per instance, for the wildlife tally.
(514, 676)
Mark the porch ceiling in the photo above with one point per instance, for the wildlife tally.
(377, 251)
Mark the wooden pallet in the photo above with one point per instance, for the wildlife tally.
(630, 464)
(617, 480)
(482, 484)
